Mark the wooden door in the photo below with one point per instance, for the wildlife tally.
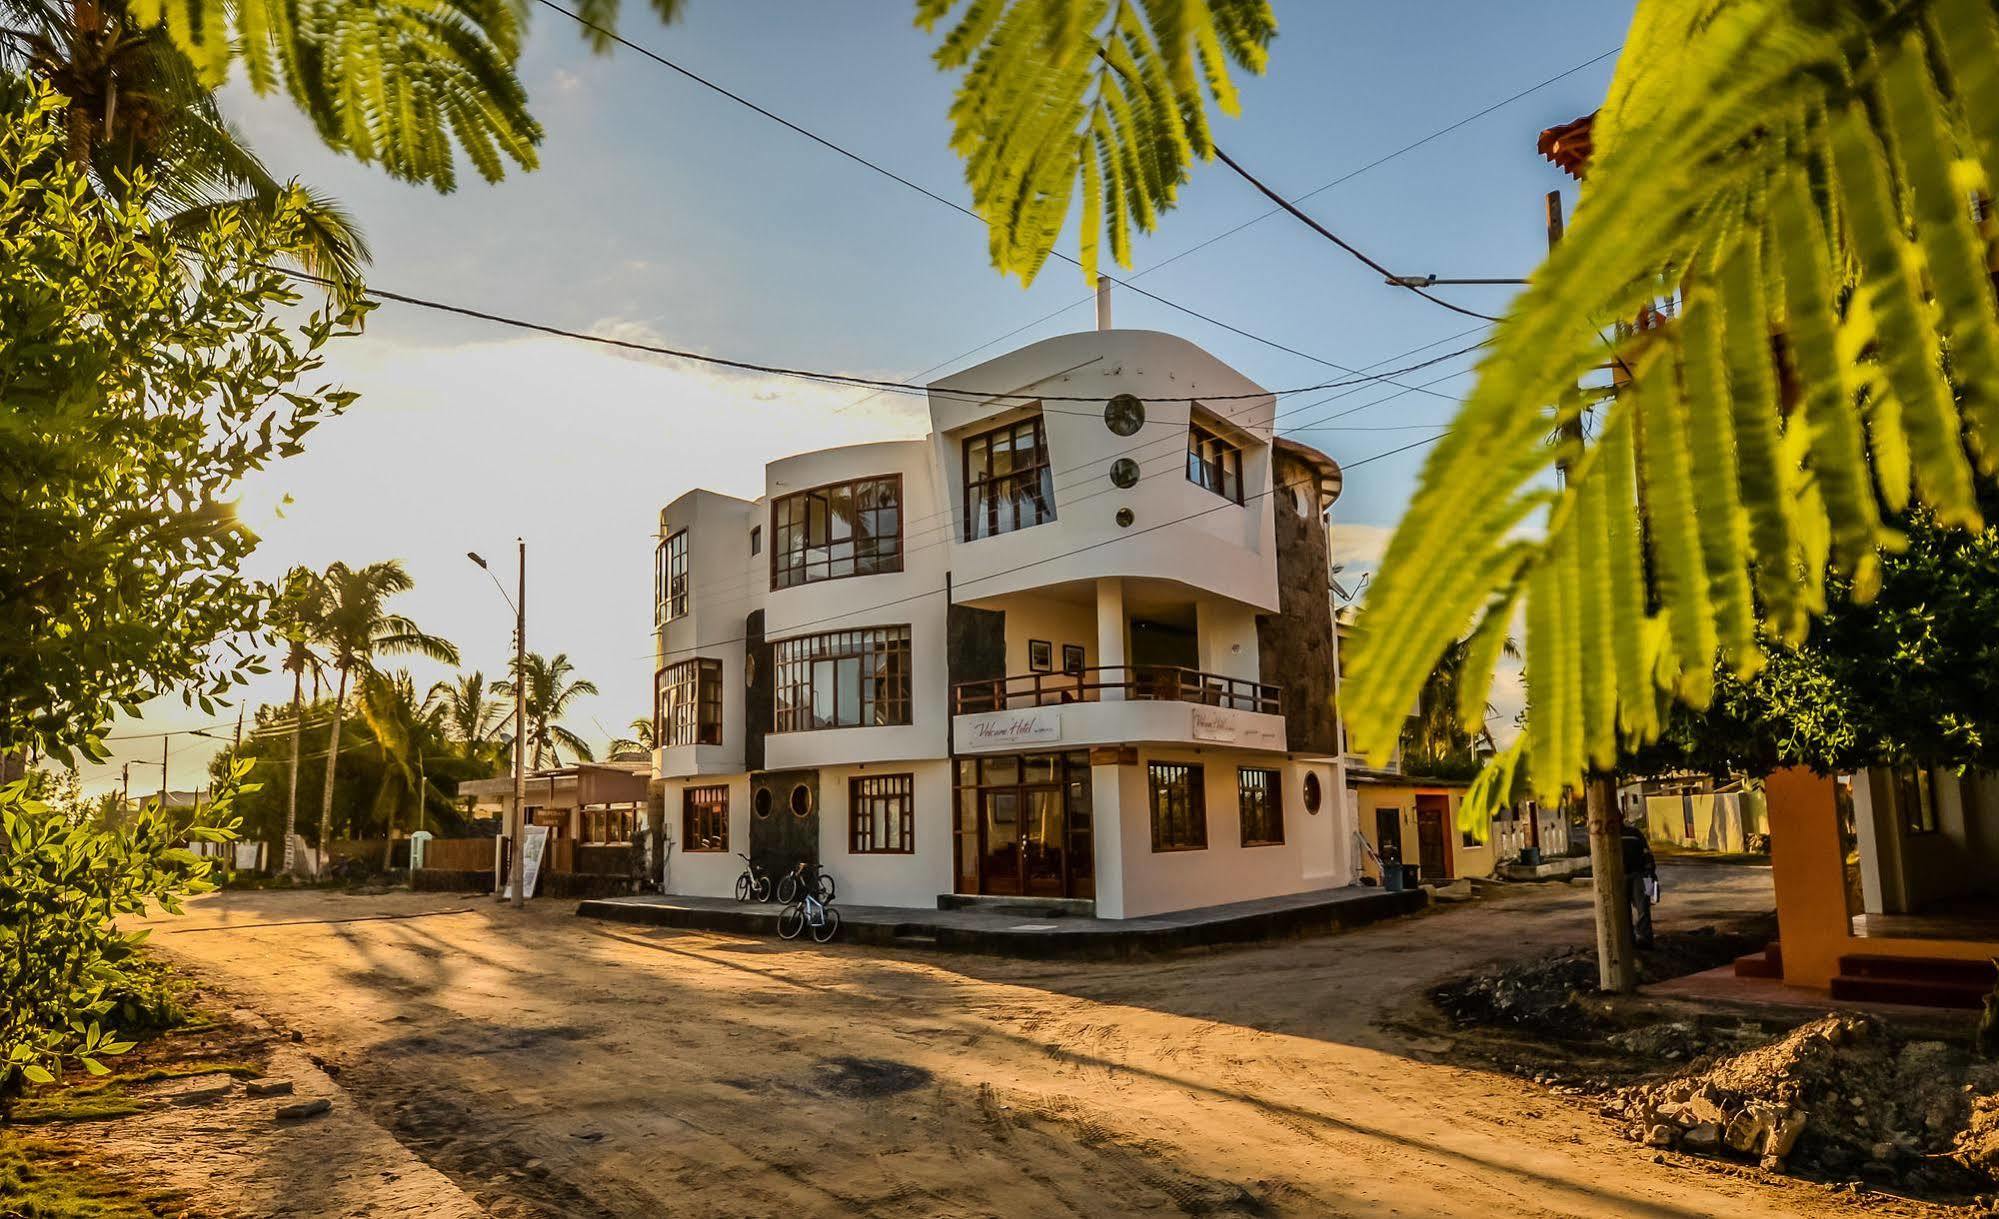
(1433, 853)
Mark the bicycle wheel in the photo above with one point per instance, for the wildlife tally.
(791, 921)
(743, 888)
(762, 892)
(829, 928)
(826, 888)
(787, 889)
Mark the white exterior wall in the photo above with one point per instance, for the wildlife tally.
(719, 598)
(1181, 532)
(708, 873)
(1316, 852)
(915, 879)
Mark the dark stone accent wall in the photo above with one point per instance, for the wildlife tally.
(782, 840)
(760, 696)
(1295, 645)
(976, 640)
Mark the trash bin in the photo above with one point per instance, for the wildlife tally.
(1530, 856)
(1410, 876)
(1391, 870)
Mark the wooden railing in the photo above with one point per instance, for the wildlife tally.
(1134, 683)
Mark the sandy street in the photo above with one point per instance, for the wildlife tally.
(554, 1066)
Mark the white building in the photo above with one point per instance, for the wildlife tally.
(1075, 646)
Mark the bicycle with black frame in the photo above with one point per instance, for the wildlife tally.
(788, 889)
(813, 908)
(754, 884)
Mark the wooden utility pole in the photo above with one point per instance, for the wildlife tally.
(518, 872)
(1616, 957)
(165, 741)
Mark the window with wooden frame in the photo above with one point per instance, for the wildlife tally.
(1260, 796)
(1009, 483)
(881, 814)
(842, 529)
(704, 819)
(842, 679)
(1214, 463)
(1179, 806)
(669, 579)
(689, 704)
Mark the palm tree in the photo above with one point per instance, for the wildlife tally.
(643, 737)
(400, 723)
(356, 627)
(550, 691)
(467, 710)
(295, 620)
(1450, 725)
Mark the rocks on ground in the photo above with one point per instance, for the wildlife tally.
(1837, 1098)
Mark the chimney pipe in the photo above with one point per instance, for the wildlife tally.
(1103, 302)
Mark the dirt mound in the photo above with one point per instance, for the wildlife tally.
(1545, 996)
(1837, 1098)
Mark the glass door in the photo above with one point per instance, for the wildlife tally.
(1000, 826)
(1041, 842)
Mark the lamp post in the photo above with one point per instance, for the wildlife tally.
(517, 879)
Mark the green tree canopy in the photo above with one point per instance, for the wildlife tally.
(144, 375)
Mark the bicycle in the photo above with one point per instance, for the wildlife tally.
(810, 910)
(788, 888)
(754, 884)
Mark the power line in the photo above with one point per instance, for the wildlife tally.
(656, 57)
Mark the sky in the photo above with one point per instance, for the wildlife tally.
(664, 212)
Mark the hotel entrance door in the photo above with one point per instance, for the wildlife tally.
(1024, 826)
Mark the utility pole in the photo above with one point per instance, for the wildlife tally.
(519, 868)
(124, 789)
(165, 740)
(1616, 956)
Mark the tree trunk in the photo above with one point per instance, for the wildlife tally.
(1616, 958)
(332, 757)
(291, 795)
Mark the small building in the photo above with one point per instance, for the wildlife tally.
(1887, 884)
(1691, 812)
(1074, 645)
(1414, 820)
(593, 811)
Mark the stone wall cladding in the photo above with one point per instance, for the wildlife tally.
(1295, 645)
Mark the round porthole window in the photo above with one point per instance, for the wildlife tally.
(1125, 518)
(749, 671)
(801, 800)
(1312, 793)
(1124, 472)
(1124, 414)
(760, 803)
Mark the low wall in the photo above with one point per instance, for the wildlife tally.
(452, 880)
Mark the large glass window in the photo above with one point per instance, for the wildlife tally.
(1260, 796)
(704, 819)
(1008, 482)
(1179, 806)
(669, 579)
(881, 814)
(690, 703)
(1214, 463)
(843, 679)
(846, 529)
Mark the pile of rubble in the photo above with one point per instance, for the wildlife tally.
(1836, 1098)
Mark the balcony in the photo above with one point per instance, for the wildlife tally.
(1129, 683)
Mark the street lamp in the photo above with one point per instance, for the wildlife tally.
(518, 871)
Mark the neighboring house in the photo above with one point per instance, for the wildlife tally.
(1072, 648)
(1887, 884)
(1692, 812)
(1414, 820)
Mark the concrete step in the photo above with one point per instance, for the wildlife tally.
(1768, 963)
(1955, 995)
(1970, 972)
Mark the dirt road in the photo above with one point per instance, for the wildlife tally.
(551, 1065)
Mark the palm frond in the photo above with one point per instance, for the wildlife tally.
(1106, 91)
(1796, 182)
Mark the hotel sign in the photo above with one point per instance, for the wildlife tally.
(1016, 728)
(1225, 727)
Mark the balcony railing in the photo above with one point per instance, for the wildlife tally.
(1137, 683)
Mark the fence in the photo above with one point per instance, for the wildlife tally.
(458, 854)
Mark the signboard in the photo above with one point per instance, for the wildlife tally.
(537, 846)
(1211, 724)
(1016, 728)
(1226, 727)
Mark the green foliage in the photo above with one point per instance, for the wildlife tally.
(1799, 176)
(1102, 94)
(144, 375)
(412, 84)
(551, 688)
(361, 777)
(41, 1180)
(66, 972)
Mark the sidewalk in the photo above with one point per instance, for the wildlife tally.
(1011, 933)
